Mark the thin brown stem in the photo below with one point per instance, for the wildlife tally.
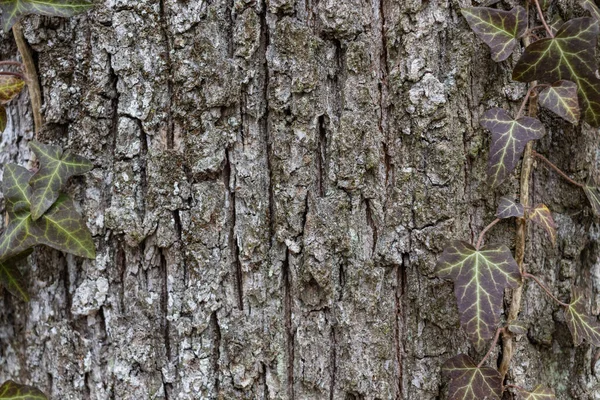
(556, 169)
(527, 96)
(14, 63)
(496, 336)
(541, 15)
(517, 387)
(528, 275)
(487, 228)
(10, 73)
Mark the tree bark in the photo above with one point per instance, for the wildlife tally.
(273, 184)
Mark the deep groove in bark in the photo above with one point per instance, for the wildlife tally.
(68, 296)
(121, 265)
(166, 325)
(216, 349)
(143, 160)
(287, 311)
(333, 362)
(400, 290)
(233, 245)
(179, 232)
(321, 155)
(371, 224)
(169, 74)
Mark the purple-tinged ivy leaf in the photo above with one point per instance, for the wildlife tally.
(468, 382)
(499, 29)
(539, 393)
(509, 208)
(480, 277)
(13, 10)
(590, 6)
(542, 216)
(561, 99)
(582, 326)
(11, 277)
(509, 137)
(10, 86)
(556, 24)
(570, 55)
(11, 390)
(593, 195)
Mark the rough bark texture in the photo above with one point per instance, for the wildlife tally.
(273, 184)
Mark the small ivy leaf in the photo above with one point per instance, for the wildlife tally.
(570, 55)
(509, 208)
(64, 229)
(518, 327)
(542, 216)
(11, 277)
(11, 390)
(468, 382)
(13, 10)
(593, 195)
(509, 138)
(10, 86)
(590, 6)
(3, 119)
(16, 189)
(55, 168)
(561, 99)
(480, 277)
(498, 29)
(582, 326)
(539, 393)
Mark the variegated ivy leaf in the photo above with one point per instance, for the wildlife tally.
(498, 29)
(561, 99)
(509, 208)
(10, 86)
(542, 216)
(3, 119)
(16, 189)
(480, 277)
(11, 276)
(582, 326)
(11, 390)
(468, 382)
(55, 168)
(518, 327)
(509, 138)
(570, 55)
(593, 195)
(590, 6)
(539, 393)
(13, 10)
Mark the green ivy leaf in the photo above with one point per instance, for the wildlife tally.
(593, 195)
(542, 216)
(55, 169)
(561, 99)
(468, 382)
(10, 86)
(20, 234)
(570, 55)
(11, 390)
(509, 208)
(590, 6)
(539, 393)
(498, 29)
(64, 229)
(480, 277)
(582, 326)
(11, 276)
(13, 10)
(3, 119)
(509, 138)
(16, 189)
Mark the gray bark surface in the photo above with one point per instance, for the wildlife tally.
(273, 185)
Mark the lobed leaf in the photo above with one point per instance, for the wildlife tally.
(542, 216)
(582, 326)
(561, 99)
(509, 138)
(10, 86)
(11, 276)
(509, 208)
(468, 382)
(13, 10)
(590, 6)
(593, 195)
(539, 393)
(570, 55)
(480, 277)
(20, 234)
(11, 390)
(498, 29)
(55, 169)
(16, 189)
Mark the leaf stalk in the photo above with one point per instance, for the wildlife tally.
(483, 232)
(556, 169)
(528, 275)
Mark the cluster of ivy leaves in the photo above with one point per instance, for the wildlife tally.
(564, 66)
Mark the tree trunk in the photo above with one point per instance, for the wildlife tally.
(273, 185)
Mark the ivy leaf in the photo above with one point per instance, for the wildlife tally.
(64, 229)
(467, 382)
(561, 99)
(539, 393)
(590, 6)
(55, 168)
(10, 86)
(509, 208)
(13, 10)
(20, 234)
(509, 138)
(517, 327)
(11, 390)
(11, 277)
(3, 118)
(16, 189)
(542, 216)
(581, 325)
(498, 29)
(570, 55)
(480, 277)
(593, 195)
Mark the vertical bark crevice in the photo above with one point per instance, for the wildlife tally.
(321, 155)
(371, 223)
(164, 268)
(216, 350)
(169, 74)
(143, 159)
(399, 319)
(287, 313)
(332, 362)
(233, 244)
